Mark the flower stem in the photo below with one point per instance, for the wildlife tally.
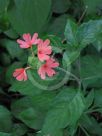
(27, 68)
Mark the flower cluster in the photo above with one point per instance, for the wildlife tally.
(44, 51)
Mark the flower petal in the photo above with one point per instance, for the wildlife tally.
(41, 72)
(27, 37)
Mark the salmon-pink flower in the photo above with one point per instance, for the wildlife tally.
(20, 74)
(27, 41)
(44, 50)
(47, 68)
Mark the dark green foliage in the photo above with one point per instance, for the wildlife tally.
(70, 103)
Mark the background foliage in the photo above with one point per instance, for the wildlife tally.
(75, 109)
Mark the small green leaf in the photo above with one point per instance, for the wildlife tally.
(70, 33)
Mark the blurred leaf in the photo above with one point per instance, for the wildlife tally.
(4, 134)
(13, 49)
(92, 6)
(57, 26)
(91, 125)
(29, 16)
(19, 129)
(11, 33)
(3, 5)
(60, 6)
(90, 98)
(5, 120)
(5, 61)
(98, 98)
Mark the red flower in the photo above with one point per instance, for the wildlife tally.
(47, 68)
(20, 74)
(44, 50)
(28, 41)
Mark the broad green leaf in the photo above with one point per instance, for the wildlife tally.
(70, 33)
(5, 120)
(32, 110)
(25, 88)
(91, 71)
(65, 111)
(89, 32)
(57, 26)
(31, 118)
(60, 6)
(29, 16)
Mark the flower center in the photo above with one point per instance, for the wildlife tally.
(40, 52)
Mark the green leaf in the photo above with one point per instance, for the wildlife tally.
(29, 16)
(3, 5)
(70, 33)
(13, 49)
(5, 120)
(89, 32)
(32, 110)
(25, 88)
(91, 71)
(91, 125)
(98, 98)
(60, 6)
(5, 61)
(11, 33)
(92, 6)
(57, 26)
(19, 129)
(4, 134)
(90, 98)
(65, 111)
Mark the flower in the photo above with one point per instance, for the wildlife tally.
(20, 74)
(47, 68)
(28, 41)
(44, 50)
